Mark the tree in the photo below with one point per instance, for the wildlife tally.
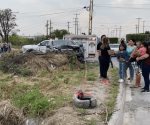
(147, 32)
(7, 23)
(59, 33)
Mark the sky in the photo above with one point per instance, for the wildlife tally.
(109, 15)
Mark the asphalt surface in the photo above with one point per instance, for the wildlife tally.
(137, 105)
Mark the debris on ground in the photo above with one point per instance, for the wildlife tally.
(30, 63)
(10, 115)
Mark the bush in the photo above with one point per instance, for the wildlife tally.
(138, 37)
(34, 103)
(20, 40)
(113, 40)
(16, 69)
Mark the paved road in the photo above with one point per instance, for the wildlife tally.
(137, 105)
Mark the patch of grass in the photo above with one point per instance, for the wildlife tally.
(113, 92)
(58, 101)
(43, 73)
(91, 122)
(82, 111)
(91, 76)
(33, 101)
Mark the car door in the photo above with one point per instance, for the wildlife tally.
(43, 46)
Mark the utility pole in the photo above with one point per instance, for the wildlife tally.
(112, 33)
(90, 17)
(47, 28)
(136, 27)
(76, 24)
(116, 29)
(120, 30)
(138, 24)
(50, 28)
(68, 26)
(143, 26)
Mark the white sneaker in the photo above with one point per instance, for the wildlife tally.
(121, 80)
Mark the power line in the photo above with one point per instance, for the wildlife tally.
(26, 13)
(123, 7)
(147, 4)
(55, 13)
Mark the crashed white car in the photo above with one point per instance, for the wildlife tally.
(42, 47)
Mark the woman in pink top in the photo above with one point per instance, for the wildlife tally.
(140, 50)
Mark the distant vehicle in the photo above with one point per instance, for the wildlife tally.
(56, 46)
(42, 47)
(114, 47)
(89, 43)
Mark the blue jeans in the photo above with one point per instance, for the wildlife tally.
(129, 65)
(122, 70)
(146, 74)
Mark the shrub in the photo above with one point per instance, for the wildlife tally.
(138, 37)
(113, 40)
(33, 101)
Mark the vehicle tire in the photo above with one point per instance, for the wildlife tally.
(86, 104)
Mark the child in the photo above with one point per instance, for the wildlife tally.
(122, 57)
(139, 51)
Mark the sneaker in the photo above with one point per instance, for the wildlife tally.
(121, 81)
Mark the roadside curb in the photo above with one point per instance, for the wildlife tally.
(117, 117)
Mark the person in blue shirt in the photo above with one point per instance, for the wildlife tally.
(122, 57)
(130, 48)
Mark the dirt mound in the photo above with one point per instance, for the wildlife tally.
(10, 115)
(30, 63)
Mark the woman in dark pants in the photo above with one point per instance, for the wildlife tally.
(146, 69)
(104, 59)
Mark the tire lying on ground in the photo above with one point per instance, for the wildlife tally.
(86, 103)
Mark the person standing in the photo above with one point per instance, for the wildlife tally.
(122, 58)
(98, 52)
(130, 48)
(104, 59)
(145, 68)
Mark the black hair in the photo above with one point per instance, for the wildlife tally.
(122, 41)
(123, 45)
(103, 36)
(148, 43)
(145, 44)
(134, 41)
